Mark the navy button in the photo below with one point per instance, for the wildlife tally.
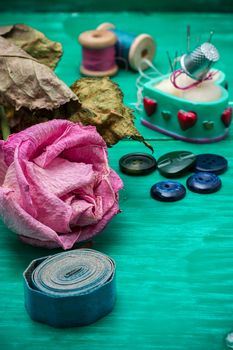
(168, 191)
(203, 182)
(137, 164)
(211, 163)
(175, 164)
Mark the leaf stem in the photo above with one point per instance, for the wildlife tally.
(4, 124)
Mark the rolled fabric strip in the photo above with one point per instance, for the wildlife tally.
(70, 289)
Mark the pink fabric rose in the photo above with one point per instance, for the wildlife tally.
(56, 187)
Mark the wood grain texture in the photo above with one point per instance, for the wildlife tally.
(127, 5)
(174, 260)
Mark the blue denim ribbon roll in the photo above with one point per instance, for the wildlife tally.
(73, 288)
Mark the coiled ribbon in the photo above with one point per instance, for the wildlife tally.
(74, 288)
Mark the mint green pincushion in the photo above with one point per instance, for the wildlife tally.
(198, 122)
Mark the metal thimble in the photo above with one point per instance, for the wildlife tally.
(197, 63)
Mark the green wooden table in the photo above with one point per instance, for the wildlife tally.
(174, 260)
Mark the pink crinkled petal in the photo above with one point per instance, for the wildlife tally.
(86, 212)
(95, 154)
(115, 180)
(23, 223)
(29, 229)
(48, 185)
(3, 166)
(87, 232)
(90, 231)
(106, 190)
(19, 148)
(111, 207)
(67, 242)
(61, 176)
(11, 183)
(20, 173)
(37, 137)
(75, 136)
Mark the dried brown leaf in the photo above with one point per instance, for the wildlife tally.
(102, 106)
(34, 43)
(26, 83)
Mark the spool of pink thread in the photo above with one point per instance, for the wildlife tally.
(98, 50)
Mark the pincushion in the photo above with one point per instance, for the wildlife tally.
(178, 114)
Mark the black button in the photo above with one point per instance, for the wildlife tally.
(203, 182)
(168, 191)
(211, 163)
(137, 164)
(175, 164)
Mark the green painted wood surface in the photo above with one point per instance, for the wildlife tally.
(145, 6)
(174, 260)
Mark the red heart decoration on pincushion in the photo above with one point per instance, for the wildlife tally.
(149, 105)
(227, 116)
(186, 119)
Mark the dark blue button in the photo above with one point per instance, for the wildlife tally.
(203, 182)
(211, 163)
(168, 191)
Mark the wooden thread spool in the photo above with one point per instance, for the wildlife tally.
(132, 48)
(98, 53)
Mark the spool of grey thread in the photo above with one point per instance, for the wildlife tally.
(197, 63)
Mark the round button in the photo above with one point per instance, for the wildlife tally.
(137, 164)
(203, 182)
(168, 191)
(229, 340)
(211, 163)
(175, 164)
